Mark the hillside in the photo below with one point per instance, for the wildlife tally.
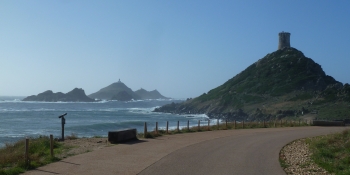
(284, 83)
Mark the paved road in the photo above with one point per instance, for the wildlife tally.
(248, 151)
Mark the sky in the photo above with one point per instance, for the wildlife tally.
(181, 48)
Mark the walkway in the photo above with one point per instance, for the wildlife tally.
(244, 151)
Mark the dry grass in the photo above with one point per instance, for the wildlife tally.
(12, 155)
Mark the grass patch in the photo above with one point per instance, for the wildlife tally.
(98, 137)
(71, 137)
(332, 152)
(283, 162)
(12, 155)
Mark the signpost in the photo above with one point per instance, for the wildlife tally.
(63, 121)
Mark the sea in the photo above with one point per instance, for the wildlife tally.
(19, 119)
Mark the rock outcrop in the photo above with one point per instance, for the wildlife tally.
(76, 95)
(112, 90)
(119, 91)
(143, 94)
(122, 96)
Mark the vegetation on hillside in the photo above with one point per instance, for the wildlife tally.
(284, 83)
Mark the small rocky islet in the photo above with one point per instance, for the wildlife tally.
(116, 91)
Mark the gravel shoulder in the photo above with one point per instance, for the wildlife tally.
(296, 158)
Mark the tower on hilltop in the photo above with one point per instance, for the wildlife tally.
(284, 40)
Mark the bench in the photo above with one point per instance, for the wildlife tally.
(123, 135)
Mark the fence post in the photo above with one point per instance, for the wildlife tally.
(188, 125)
(217, 121)
(178, 126)
(199, 125)
(208, 125)
(145, 130)
(226, 124)
(51, 145)
(242, 124)
(274, 123)
(299, 122)
(235, 124)
(157, 128)
(281, 122)
(167, 127)
(264, 124)
(26, 154)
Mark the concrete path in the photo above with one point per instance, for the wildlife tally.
(248, 151)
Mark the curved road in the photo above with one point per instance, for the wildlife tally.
(248, 151)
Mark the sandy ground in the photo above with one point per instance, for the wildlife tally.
(82, 145)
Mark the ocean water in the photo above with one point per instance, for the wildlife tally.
(19, 119)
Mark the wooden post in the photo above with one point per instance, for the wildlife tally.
(299, 122)
(26, 154)
(51, 145)
(188, 125)
(157, 128)
(217, 121)
(242, 124)
(145, 130)
(281, 122)
(178, 126)
(263, 123)
(208, 125)
(199, 125)
(226, 124)
(235, 124)
(167, 127)
(274, 123)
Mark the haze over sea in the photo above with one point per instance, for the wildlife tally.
(32, 119)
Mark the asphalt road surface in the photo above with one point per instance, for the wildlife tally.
(244, 151)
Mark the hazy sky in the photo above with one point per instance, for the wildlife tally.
(182, 48)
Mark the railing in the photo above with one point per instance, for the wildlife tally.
(221, 126)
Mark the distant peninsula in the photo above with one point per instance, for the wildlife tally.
(119, 91)
(76, 95)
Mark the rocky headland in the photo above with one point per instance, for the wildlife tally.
(284, 83)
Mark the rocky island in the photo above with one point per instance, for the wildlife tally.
(76, 95)
(116, 91)
(119, 91)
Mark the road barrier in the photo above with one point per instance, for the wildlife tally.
(224, 124)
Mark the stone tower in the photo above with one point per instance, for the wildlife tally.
(284, 40)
